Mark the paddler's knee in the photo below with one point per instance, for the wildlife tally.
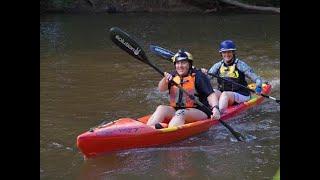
(161, 107)
(180, 112)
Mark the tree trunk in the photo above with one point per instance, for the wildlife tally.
(246, 6)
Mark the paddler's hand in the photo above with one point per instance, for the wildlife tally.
(258, 90)
(168, 77)
(215, 113)
(204, 70)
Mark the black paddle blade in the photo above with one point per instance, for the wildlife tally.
(126, 43)
(236, 134)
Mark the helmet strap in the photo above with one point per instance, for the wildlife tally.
(190, 65)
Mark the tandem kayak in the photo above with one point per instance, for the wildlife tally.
(128, 133)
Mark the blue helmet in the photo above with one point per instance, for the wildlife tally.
(227, 45)
(182, 55)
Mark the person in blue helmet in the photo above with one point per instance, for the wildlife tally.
(182, 108)
(235, 70)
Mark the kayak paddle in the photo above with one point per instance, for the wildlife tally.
(126, 43)
(277, 100)
(165, 54)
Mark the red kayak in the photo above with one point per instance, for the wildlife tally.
(128, 133)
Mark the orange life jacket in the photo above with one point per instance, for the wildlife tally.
(177, 97)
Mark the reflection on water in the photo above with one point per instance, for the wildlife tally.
(85, 79)
(187, 159)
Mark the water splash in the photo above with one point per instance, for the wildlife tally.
(52, 32)
(275, 83)
(145, 95)
(154, 96)
(55, 145)
(250, 138)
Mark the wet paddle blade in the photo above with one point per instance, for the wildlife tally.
(236, 134)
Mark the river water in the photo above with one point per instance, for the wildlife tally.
(85, 79)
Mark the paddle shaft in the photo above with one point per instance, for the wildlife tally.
(126, 43)
(206, 108)
(251, 90)
(160, 52)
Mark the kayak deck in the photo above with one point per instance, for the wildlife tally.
(128, 133)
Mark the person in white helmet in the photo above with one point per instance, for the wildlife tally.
(182, 108)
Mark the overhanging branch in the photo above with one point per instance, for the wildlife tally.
(246, 6)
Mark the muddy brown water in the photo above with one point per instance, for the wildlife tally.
(85, 79)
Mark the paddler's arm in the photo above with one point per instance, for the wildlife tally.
(212, 100)
(248, 71)
(204, 87)
(163, 84)
(214, 69)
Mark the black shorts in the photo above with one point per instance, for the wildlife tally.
(198, 107)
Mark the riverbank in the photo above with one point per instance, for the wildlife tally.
(128, 6)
